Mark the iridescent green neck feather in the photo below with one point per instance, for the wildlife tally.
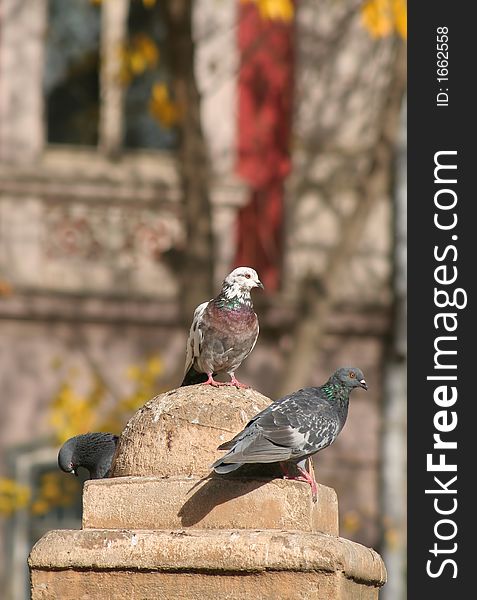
(233, 298)
(335, 391)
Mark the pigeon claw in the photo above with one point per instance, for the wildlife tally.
(211, 381)
(234, 381)
(305, 477)
(311, 481)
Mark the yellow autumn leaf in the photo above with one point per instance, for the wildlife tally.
(138, 55)
(13, 496)
(147, 47)
(400, 17)
(40, 507)
(162, 107)
(274, 10)
(384, 17)
(137, 63)
(154, 366)
(50, 491)
(72, 413)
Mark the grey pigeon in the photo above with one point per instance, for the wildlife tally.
(224, 331)
(294, 427)
(93, 451)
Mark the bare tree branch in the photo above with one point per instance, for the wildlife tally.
(318, 296)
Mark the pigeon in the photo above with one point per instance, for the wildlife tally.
(295, 427)
(93, 451)
(224, 331)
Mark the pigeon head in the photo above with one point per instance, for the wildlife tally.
(92, 451)
(350, 377)
(66, 459)
(240, 281)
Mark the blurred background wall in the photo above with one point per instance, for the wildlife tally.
(148, 147)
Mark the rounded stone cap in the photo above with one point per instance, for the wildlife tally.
(177, 433)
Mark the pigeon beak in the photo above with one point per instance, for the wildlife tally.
(363, 384)
(260, 284)
(75, 472)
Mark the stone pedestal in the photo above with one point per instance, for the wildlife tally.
(163, 527)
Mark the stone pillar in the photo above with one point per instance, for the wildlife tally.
(163, 527)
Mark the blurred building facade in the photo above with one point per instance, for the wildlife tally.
(91, 216)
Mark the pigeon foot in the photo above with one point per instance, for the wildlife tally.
(211, 381)
(304, 476)
(235, 382)
(311, 481)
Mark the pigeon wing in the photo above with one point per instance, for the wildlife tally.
(261, 415)
(194, 342)
(309, 416)
(270, 438)
(254, 341)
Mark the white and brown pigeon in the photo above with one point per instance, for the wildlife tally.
(92, 451)
(295, 427)
(223, 332)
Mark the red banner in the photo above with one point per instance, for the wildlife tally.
(265, 101)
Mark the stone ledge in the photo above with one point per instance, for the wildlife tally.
(219, 551)
(215, 503)
(154, 585)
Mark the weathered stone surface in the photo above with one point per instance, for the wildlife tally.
(177, 433)
(216, 503)
(215, 551)
(266, 585)
(206, 564)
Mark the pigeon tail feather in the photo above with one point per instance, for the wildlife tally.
(227, 445)
(192, 377)
(221, 468)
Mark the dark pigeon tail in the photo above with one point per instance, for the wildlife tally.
(221, 468)
(227, 445)
(192, 377)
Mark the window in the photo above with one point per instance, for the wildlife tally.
(105, 66)
(71, 75)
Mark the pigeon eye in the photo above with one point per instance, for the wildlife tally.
(247, 275)
(352, 374)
